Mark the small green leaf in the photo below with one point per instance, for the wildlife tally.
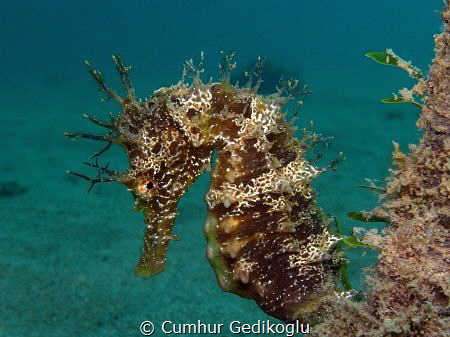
(356, 216)
(366, 217)
(383, 58)
(373, 188)
(396, 100)
(343, 273)
(353, 242)
(339, 226)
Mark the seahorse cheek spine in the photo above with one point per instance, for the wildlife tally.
(267, 239)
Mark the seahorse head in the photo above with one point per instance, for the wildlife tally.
(164, 161)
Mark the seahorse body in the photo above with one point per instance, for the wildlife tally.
(267, 239)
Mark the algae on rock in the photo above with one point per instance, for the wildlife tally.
(409, 292)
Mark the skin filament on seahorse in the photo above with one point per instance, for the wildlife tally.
(267, 238)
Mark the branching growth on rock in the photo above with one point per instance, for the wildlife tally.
(409, 288)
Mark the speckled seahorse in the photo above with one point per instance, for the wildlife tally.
(267, 239)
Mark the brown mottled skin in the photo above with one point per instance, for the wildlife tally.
(267, 239)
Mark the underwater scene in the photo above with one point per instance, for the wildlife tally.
(68, 257)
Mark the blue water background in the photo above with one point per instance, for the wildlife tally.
(67, 257)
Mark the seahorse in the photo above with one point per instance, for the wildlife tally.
(267, 239)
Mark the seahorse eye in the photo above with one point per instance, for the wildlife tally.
(150, 185)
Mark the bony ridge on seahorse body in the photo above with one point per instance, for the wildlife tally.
(267, 239)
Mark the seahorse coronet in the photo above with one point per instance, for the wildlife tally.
(267, 238)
